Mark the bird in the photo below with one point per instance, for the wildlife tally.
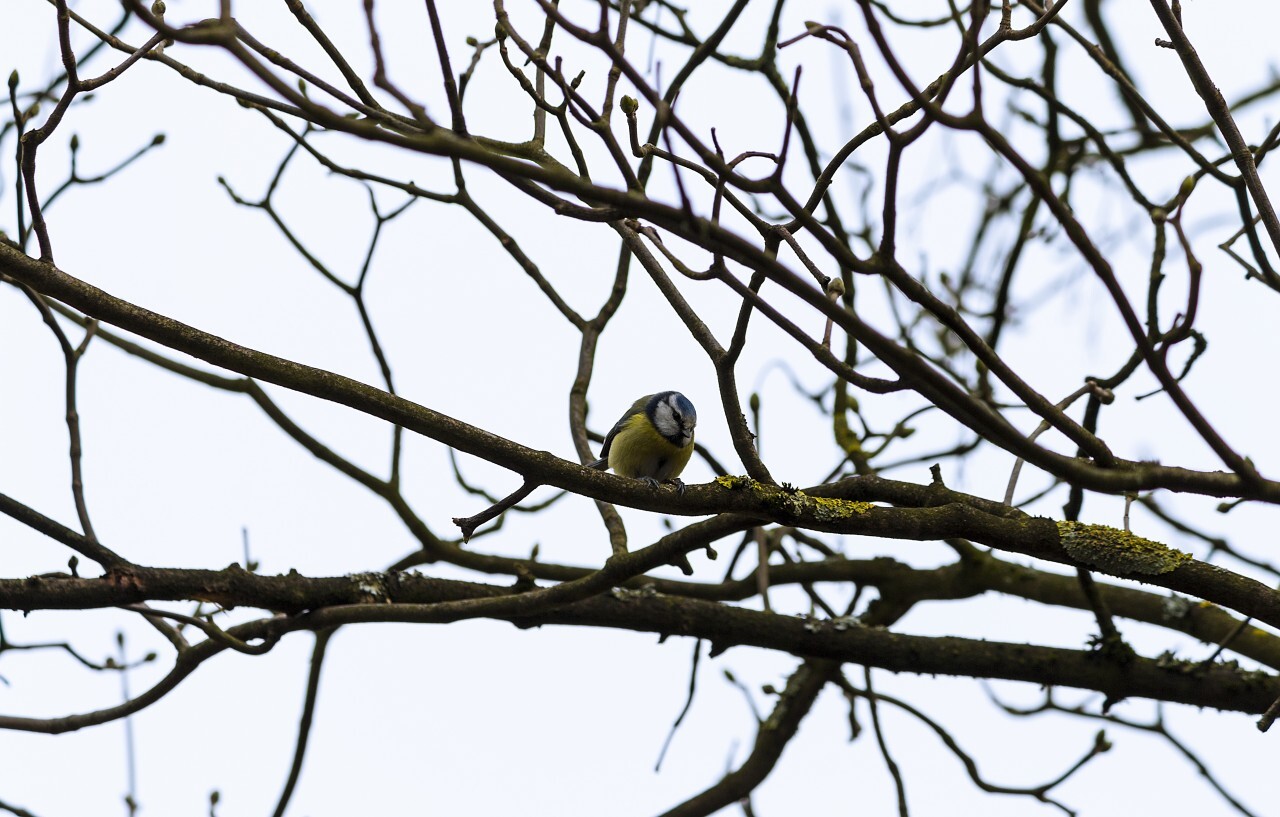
(652, 441)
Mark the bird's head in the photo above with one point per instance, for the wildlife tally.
(674, 417)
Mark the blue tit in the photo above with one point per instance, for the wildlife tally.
(653, 441)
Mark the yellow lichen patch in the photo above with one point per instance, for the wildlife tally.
(1115, 551)
(790, 503)
(837, 508)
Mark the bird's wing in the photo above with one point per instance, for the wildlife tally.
(636, 408)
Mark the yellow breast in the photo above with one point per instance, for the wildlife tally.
(639, 451)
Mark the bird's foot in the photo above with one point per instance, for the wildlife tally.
(650, 481)
(680, 488)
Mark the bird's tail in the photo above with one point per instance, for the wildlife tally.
(601, 464)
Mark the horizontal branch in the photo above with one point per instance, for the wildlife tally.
(409, 597)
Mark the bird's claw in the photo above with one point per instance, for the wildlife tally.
(654, 484)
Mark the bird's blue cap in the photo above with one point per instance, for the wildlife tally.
(682, 403)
